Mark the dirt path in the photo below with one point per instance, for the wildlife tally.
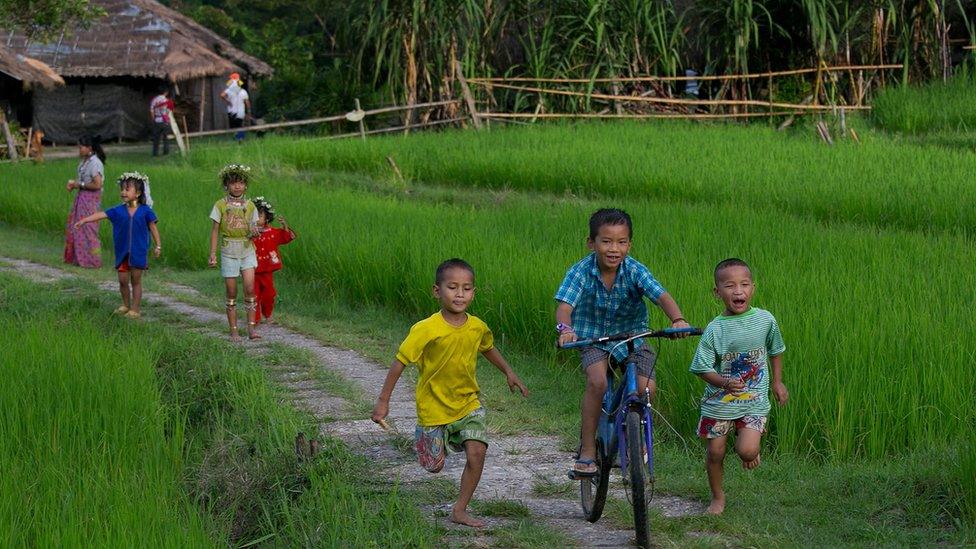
(514, 466)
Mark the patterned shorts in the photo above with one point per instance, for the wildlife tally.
(430, 442)
(709, 427)
(644, 358)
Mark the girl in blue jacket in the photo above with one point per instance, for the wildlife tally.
(133, 222)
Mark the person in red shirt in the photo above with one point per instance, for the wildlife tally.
(269, 259)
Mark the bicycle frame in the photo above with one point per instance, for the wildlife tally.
(621, 397)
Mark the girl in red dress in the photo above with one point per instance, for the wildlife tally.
(269, 259)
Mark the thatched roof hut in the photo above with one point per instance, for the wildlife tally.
(115, 66)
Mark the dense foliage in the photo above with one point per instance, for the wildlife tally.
(325, 53)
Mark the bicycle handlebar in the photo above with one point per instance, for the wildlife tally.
(667, 332)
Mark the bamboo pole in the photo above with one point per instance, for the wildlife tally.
(683, 78)
(30, 137)
(321, 120)
(689, 116)
(392, 130)
(674, 101)
(466, 93)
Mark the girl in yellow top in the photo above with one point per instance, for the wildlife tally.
(445, 348)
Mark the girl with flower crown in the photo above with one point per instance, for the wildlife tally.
(269, 259)
(133, 222)
(235, 221)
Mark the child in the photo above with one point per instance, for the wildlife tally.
(132, 223)
(235, 221)
(444, 347)
(602, 294)
(269, 260)
(733, 357)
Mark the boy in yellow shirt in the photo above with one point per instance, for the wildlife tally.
(445, 348)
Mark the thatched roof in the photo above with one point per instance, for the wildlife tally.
(28, 70)
(139, 38)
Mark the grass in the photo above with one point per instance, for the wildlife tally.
(132, 432)
(845, 294)
(932, 107)
(792, 496)
(867, 291)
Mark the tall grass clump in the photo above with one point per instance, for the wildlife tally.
(90, 458)
(932, 107)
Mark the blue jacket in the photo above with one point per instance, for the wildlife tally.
(131, 234)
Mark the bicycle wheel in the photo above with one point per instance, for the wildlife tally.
(593, 490)
(637, 475)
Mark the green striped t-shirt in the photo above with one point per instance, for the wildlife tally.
(738, 346)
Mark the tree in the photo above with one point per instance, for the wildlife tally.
(43, 19)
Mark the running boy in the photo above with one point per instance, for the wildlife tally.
(602, 294)
(234, 224)
(445, 348)
(733, 358)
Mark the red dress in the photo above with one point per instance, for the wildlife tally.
(269, 261)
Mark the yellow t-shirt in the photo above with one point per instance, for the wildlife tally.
(445, 356)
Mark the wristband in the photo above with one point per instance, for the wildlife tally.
(81, 185)
(678, 320)
(563, 328)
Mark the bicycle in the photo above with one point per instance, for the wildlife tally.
(625, 419)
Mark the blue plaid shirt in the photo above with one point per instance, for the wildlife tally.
(599, 312)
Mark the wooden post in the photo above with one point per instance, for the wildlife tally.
(203, 102)
(11, 145)
(30, 136)
(362, 125)
(468, 98)
(186, 134)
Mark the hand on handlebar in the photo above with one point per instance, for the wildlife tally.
(567, 337)
(680, 323)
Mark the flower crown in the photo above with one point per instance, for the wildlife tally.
(263, 204)
(235, 171)
(133, 175)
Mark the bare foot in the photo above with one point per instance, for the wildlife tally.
(716, 507)
(234, 336)
(253, 335)
(269, 320)
(462, 517)
(751, 464)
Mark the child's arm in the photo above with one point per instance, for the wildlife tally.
(670, 308)
(382, 408)
(97, 216)
(289, 233)
(779, 388)
(155, 236)
(213, 244)
(499, 361)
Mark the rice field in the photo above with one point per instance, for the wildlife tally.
(864, 254)
(933, 107)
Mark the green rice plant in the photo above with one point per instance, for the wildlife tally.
(90, 456)
(877, 183)
(933, 107)
(869, 313)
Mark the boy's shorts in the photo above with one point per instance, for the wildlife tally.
(430, 442)
(644, 356)
(709, 427)
(232, 267)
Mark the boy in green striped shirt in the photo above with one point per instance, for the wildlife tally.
(734, 357)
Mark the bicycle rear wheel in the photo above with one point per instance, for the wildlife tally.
(593, 490)
(637, 475)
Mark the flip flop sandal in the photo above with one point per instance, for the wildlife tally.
(576, 472)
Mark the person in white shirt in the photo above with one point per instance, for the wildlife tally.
(160, 109)
(238, 104)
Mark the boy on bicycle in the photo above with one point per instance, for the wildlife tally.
(733, 357)
(445, 348)
(603, 294)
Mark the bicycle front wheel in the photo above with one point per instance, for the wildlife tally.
(593, 491)
(637, 475)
